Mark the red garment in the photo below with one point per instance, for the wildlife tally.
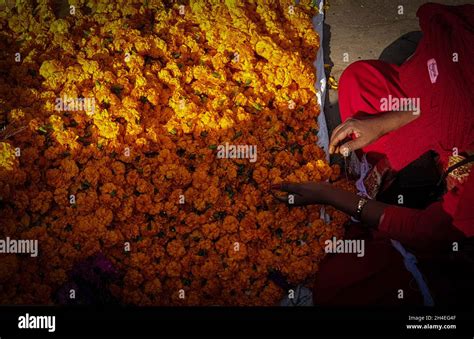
(374, 279)
(446, 120)
(378, 276)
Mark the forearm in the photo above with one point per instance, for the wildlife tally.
(347, 202)
(391, 121)
(430, 228)
(417, 228)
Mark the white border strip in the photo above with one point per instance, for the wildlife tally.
(323, 134)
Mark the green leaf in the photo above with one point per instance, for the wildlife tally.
(173, 131)
(212, 146)
(186, 281)
(241, 169)
(219, 215)
(257, 106)
(42, 129)
(237, 135)
(216, 75)
(113, 193)
(180, 152)
(203, 98)
(230, 192)
(240, 215)
(279, 232)
(116, 89)
(85, 185)
(176, 55)
(204, 134)
(248, 82)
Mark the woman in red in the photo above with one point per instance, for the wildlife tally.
(439, 76)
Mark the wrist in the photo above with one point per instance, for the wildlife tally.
(325, 193)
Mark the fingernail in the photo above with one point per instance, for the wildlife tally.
(345, 152)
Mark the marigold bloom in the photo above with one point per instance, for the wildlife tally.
(140, 170)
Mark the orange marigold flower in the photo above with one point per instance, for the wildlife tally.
(175, 248)
(173, 269)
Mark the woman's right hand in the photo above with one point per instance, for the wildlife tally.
(363, 132)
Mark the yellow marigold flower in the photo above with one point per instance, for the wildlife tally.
(7, 156)
(59, 26)
(16, 114)
(107, 128)
(53, 73)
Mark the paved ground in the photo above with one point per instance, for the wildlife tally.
(364, 29)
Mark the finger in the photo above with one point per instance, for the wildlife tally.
(337, 149)
(351, 146)
(287, 187)
(338, 127)
(290, 199)
(281, 198)
(340, 135)
(331, 147)
(336, 132)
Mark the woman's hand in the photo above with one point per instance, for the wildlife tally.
(302, 194)
(363, 132)
(368, 129)
(308, 193)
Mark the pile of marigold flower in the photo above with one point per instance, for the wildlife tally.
(137, 178)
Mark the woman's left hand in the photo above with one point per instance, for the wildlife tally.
(302, 194)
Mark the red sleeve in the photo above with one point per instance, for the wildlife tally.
(431, 228)
(440, 224)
